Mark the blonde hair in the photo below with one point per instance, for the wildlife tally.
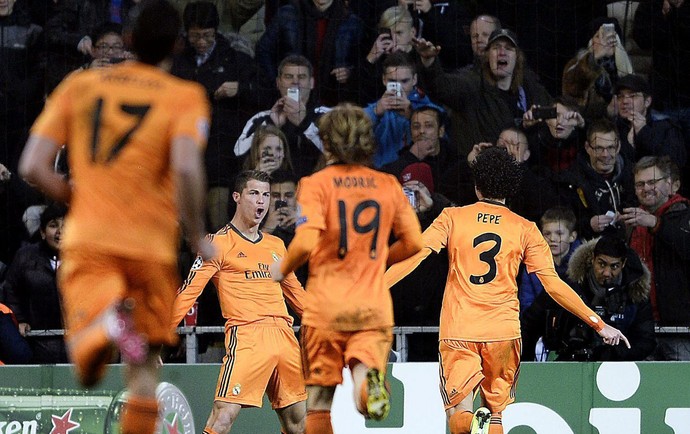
(395, 15)
(347, 135)
(261, 133)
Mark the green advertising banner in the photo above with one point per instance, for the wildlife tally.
(552, 398)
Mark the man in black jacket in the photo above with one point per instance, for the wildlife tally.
(612, 281)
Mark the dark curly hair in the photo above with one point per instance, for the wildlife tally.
(496, 173)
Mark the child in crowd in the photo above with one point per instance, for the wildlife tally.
(558, 227)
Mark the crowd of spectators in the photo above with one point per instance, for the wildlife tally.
(603, 139)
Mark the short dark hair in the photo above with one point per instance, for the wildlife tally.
(664, 163)
(440, 115)
(156, 30)
(53, 211)
(559, 214)
(568, 102)
(201, 14)
(398, 60)
(612, 246)
(295, 60)
(247, 175)
(106, 29)
(280, 176)
(601, 125)
(496, 173)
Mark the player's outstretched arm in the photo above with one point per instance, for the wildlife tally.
(613, 336)
(186, 160)
(297, 254)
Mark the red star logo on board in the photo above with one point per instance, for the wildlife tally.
(172, 426)
(63, 425)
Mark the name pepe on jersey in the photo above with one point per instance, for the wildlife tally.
(488, 218)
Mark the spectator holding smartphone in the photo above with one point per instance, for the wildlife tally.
(269, 151)
(283, 208)
(591, 76)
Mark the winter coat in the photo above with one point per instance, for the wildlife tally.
(626, 307)
(31, 288)
(589, 193)
(660, 136)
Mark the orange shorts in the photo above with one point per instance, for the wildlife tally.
(90, 282)
(493, 366)
(261, 357)
(326, 352)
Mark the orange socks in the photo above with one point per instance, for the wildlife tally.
(139, 416)
(209, 430)
(319, 422)
(460, 422)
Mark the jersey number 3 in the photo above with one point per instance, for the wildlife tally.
(372, 226)
(488, 257)
(138, 111)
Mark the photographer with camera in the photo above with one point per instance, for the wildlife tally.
(614, 283)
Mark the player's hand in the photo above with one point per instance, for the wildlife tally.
(228, 89)
(274, 269)
(613, 336)
(638, 217)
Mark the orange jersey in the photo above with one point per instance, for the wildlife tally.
(486, 243)
(355, 209)
(118, 124)
(246, 291)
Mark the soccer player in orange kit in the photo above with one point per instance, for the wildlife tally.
(347, 213)
(135, 137)
(480, 342)
(262, 353)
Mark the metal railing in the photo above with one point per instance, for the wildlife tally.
(401, 336)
